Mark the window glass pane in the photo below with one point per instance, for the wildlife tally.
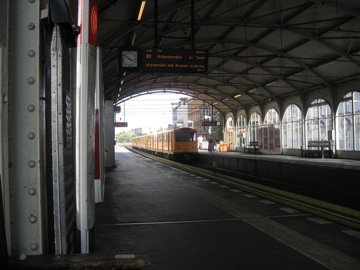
(253, 127)
(318, 121)
(186, 136)
(356, 99)
(347, 123)
(292, 128)
(272, 117)
(230, 132)
(349, 138)
(241, 130)
(178, 137)
(193, 136)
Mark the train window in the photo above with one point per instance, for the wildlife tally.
(193, 136)
(186, 137)
(178, 137)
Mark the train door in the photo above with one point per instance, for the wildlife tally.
(166, 142)
(171, 141)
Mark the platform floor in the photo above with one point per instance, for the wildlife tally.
(183, 221)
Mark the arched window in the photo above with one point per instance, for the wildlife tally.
(272, 117)
(292, 128)
(241, 130)
(230, 131)
(318, 121)
(253, 128)
(348, 123)
(269, 132)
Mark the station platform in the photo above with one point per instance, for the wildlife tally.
(334, 180)
(325, 162)
(183, 221)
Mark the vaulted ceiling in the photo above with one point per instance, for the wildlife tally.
(258, 50)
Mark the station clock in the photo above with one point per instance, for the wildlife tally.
(129, 59)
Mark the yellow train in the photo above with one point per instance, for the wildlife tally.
(177, 144)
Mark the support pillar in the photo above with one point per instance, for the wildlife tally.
(99, 131)
(109, 134)
(25, 188)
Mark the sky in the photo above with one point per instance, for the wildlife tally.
(147, 111)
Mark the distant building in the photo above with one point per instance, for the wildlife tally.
(180, 113)
(198, 111)
(192, 113)
(137, 131)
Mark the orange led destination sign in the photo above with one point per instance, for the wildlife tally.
(171, 60)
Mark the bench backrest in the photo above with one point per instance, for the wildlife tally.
(318, 143)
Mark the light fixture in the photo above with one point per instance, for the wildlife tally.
(252, 90)
(141, 10)
(271, 83)
(236, 96)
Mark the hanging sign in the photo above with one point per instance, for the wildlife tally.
(172, 60)
(121, 124)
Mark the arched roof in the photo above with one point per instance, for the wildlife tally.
(258, 50)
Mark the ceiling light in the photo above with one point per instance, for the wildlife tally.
(270, 83)
(142, 7)
(236, 96)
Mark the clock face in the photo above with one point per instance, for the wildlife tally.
(129, 58)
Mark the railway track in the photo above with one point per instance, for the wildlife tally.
(336, 213)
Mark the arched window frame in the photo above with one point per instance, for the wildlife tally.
(318, 121)
(269, 132)
(348, 123)
(292, 122)
(272, 118)
(241, 130)
(230, 132)
(253, 127)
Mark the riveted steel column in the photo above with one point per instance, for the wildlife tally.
(24, 128)
(4, 171)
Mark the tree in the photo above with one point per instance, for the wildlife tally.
(125, 137)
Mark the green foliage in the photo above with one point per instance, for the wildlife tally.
(125, 137)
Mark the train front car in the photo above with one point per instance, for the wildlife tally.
(185, 144)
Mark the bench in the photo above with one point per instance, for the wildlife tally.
(319, 151)
(253, 147)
